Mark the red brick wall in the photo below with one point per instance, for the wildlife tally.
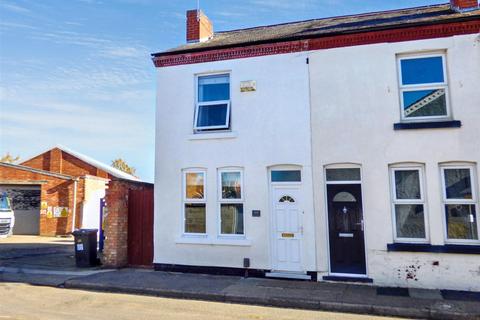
(116, 222)
(58, 161)
(56, 192)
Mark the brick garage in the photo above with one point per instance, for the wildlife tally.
(57, 190)
(72, 180)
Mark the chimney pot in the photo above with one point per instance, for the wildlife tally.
(463, 5)
(199, 27)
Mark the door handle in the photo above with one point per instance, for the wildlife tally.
(361, 224)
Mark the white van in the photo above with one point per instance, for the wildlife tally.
(7, 219)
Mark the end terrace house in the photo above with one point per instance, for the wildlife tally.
(341, 149)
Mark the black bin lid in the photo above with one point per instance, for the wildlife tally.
(80, 232)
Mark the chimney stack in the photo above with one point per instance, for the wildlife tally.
(199, 27)
(464, 5)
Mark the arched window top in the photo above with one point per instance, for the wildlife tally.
(344, 197)
(286, 199)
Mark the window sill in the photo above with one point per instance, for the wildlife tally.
(213, 135)
(427, 125)
(423, 247)
(214, 242)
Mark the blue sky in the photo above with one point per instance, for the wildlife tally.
(79, 73)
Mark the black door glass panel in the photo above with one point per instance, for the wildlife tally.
(350, 174)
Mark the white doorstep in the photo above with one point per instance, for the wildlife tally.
(288, 275)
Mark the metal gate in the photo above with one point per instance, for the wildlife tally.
(140, 227)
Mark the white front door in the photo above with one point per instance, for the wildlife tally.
(287, 228)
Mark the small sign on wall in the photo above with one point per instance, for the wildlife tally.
(248, 86)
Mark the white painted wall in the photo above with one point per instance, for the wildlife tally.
(94, 191)
(355, 102)
(269, 127)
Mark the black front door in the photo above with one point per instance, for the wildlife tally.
(345, 223)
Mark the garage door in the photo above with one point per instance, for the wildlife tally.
(26, 207)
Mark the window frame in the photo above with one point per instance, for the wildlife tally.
(473, 201)
(429, 86)
(186, 201)
(423, 201)
(221, 201)
(226, 126)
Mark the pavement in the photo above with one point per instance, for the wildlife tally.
(50, 262)
(39, 260)
(336, 297)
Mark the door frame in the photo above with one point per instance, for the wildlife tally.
(345, 165)
(286, 185)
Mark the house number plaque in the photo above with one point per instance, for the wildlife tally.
(288, 235)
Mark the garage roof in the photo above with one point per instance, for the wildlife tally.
(43, 172)
(97, 164)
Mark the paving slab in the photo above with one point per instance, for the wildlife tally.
(425, 294)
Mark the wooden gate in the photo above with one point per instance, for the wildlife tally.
(140, 227)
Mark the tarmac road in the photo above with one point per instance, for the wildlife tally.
(22, 301)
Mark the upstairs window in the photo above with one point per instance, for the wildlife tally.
(460, 202)
(423, 87)
(212, 110)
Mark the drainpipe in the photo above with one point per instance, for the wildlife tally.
(74, 209)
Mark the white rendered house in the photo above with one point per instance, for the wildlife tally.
(341, 149)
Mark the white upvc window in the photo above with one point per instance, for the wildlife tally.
(408, 203)
(423, 87)
(212, 111)
(231, 202)
(194, 202)
(460, 202)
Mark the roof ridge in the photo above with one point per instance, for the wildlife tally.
(93, 162)
(98, 164)
(359, 15)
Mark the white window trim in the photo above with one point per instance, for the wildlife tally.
(421, 201)
(221, 201)
(186, 200)
(473, 201)
(428, 86)
(198, 104)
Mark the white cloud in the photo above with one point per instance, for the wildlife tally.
(14, 7)
(14, 25)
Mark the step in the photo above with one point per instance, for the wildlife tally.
(288, 275)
